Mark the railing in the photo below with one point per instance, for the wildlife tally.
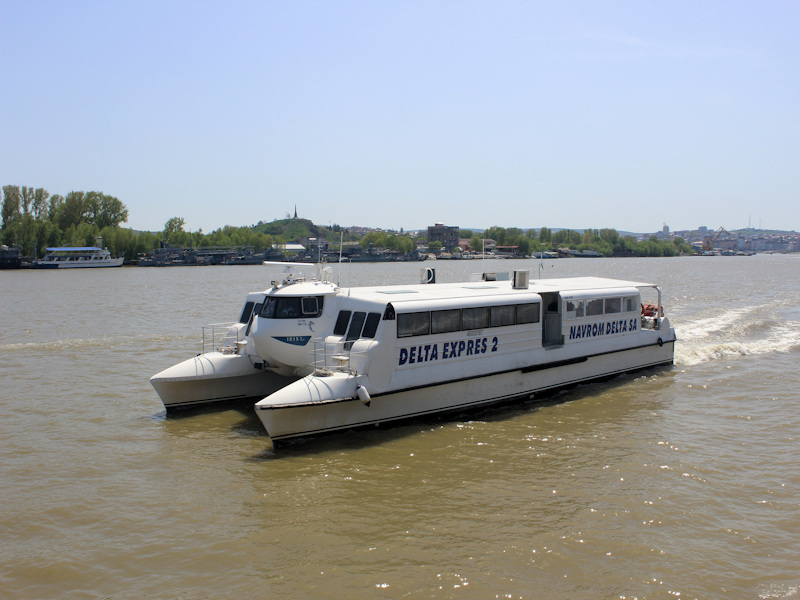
(330, 357)
(215, 338)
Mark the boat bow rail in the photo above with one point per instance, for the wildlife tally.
(223, 337)
(331, 356)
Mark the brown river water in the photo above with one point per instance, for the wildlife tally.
(673, 483)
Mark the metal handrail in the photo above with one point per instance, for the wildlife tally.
(330, 357)
(214, 336)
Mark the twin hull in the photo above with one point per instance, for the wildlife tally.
(214, 377)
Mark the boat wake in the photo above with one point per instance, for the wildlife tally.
(93, 343)
(735, 332)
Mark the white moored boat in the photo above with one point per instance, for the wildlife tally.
(77, 257)
(377, 354)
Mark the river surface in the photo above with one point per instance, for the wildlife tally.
(674, 483)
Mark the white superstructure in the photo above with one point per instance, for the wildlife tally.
(374, 354)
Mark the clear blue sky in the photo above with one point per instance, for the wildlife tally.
(403, 113)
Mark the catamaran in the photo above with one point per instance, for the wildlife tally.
(370, 355)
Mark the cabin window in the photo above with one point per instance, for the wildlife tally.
(356, 324)
(341, 322)
(292, 308)
(594, 307)
(256, 311)
(310, 306)
(246, 312)
(502, 316)
(613, 305)
(371, 325)
(444, 321)
(527, 313)
(574, 309)
(409, 324)
(630, 303)
(475, 318)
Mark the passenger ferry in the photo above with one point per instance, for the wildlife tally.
(375, 354)
(75, 257)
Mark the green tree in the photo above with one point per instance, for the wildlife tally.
(104, 210)
(39, 205)
(11, 204)
(174, 225)
(476, 243)
(72, 212)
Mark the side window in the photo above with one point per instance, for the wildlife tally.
(594, 307)
(409, 324)
(613, 305)
(475, 318)
(256, 311)
(527, 313)
(341, 322)
(630, 303)
(355, 326)
(501, 316)
(246, 312)
(371, 325)
(444, 321)
(573, 309)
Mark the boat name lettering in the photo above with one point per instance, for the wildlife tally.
(294, 340)
(445, 350)
(592, 330)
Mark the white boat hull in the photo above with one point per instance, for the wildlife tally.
(87, 264)
(316, 404)
(214, 377)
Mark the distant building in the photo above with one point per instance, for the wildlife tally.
(448, 236)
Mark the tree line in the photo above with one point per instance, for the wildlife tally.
(607, 242)
(33, 220)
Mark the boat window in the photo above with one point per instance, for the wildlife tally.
(630, 303)
(444, 321)
(356, 324)
(310, 306)
(594, 307)
(246, 312)
(409, 324)
(475, 318)
(574, 309)
(341, 322)
(527, 313)
(256, 311)
(371, 325)
(613, 305)
(502, 316)
(291, 308)
(389, 313)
